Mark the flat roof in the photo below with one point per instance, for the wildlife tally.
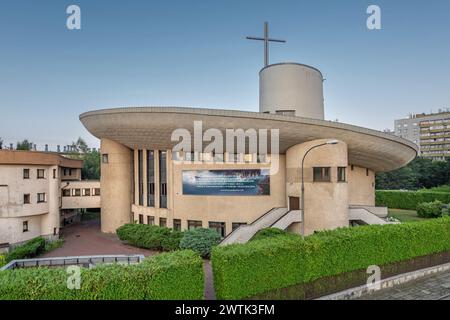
(151, 128)
(25, 157)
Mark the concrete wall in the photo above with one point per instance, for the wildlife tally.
(361, 186)
(116, 181)
(326, 203)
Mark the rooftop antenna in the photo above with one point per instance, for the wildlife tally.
(266, 40)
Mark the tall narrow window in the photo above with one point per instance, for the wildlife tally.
(163, 179)
(151, 220)
(177, 224)
(141, 219)
(26, 173)
(341, 174)
(40, 173)
(41, 197)
(25, 226)
(162, 222)
(150, 179)
(140, 178)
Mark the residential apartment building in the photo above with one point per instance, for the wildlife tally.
(33, 194)
(431, 132)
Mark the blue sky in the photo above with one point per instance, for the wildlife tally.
(194, 53)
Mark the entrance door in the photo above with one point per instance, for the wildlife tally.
(294, 203)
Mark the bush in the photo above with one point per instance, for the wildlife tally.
(245, 270)
(408, 200)
(270, 233)
(169, 276)
(149, 237)
(30, 249)
(430, 209)
(200, 240)
(2, 260)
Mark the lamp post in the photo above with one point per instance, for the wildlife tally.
(330, 142)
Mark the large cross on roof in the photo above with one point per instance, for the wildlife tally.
(266, 40)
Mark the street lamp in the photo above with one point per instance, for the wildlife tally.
(329, 142)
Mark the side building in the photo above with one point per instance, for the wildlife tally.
(40, 192)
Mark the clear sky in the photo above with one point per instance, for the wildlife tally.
(194, 53)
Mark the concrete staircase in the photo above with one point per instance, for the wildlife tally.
(244, 233)
(289, 218)
(368, 215)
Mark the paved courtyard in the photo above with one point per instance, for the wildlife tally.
(85, 239)
(434, 287)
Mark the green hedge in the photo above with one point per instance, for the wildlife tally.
(408, 200)
(150, 237)
(30, 249)
(169, 276)
(433, 209)
(242, 271)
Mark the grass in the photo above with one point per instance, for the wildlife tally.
(405, 215)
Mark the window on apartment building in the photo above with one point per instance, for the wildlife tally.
(76, 192)
(105, 158)
(26, 198)
(70, 172)
(321, 174)
(140, 178)
(66, 192)
(141, 219)
(236, 225)
(40, 173)
(341, 174)
(177, 224)
(26, 173)
(96, 191)
(163, 179)
(86, 192)
(54, 174)
(151, 220)
(352, 167)
(41, 197)
(219, 227)
(150, 178)
(367, 172)
(162, 222)
(24, 226)
(194, 224)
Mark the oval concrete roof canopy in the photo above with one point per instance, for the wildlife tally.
(152, 127)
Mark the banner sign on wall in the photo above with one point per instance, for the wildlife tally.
(253, 182)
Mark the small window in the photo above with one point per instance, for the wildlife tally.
(105, 158)
(26, 173)
(40, 173)
(151, 220)
(54, 173)
(177, 224)
(86, 192)
(162, 222)
(141, 218)
(322, 174)
(367, 172)
(193, 224)
(25, 226)
(65, 172)
(70, 172)
(40, 197)
(352, 167)
(341, 174)
(76, 192)
(66, 192)
(96, 191)
(26, 198)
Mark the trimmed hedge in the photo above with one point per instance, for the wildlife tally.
(150, 237)
(169, 276)
(245, 270)
(30, 249)
(270, 233)
(201, 240)
(408, 200)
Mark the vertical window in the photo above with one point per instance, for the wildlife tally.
(87, 192)
(177, 224)
(341, 174)
(40, 173)
(26, 173)
(219, 227)
(25, 226)
(70, 172)
(140, 178)
(26, 198)
(40, 197)
(105, 158)
(76, 192)
(96, 191)
(141, 219)
(54, 173)
(151, 220)
(162, 222)
(194, 224)
(150, 179)
(65, 172)
(367, 172)
(322, 174)
(163, 179)
(352, 167)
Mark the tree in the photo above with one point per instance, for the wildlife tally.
(91, 166)
(24, 145)
(79, 146)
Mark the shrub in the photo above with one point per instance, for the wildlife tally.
(408, 200)
(30, 249)
(53, 244)
(2, 260)
(430, 209)
(269, 233)
(149, 237)
(245, 270)
(169, 276)
(200, 240)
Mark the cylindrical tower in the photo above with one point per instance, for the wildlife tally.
(291, 89)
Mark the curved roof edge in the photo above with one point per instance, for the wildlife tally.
(294, 64)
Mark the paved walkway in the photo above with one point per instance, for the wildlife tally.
(434, 287)
(86, 239)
